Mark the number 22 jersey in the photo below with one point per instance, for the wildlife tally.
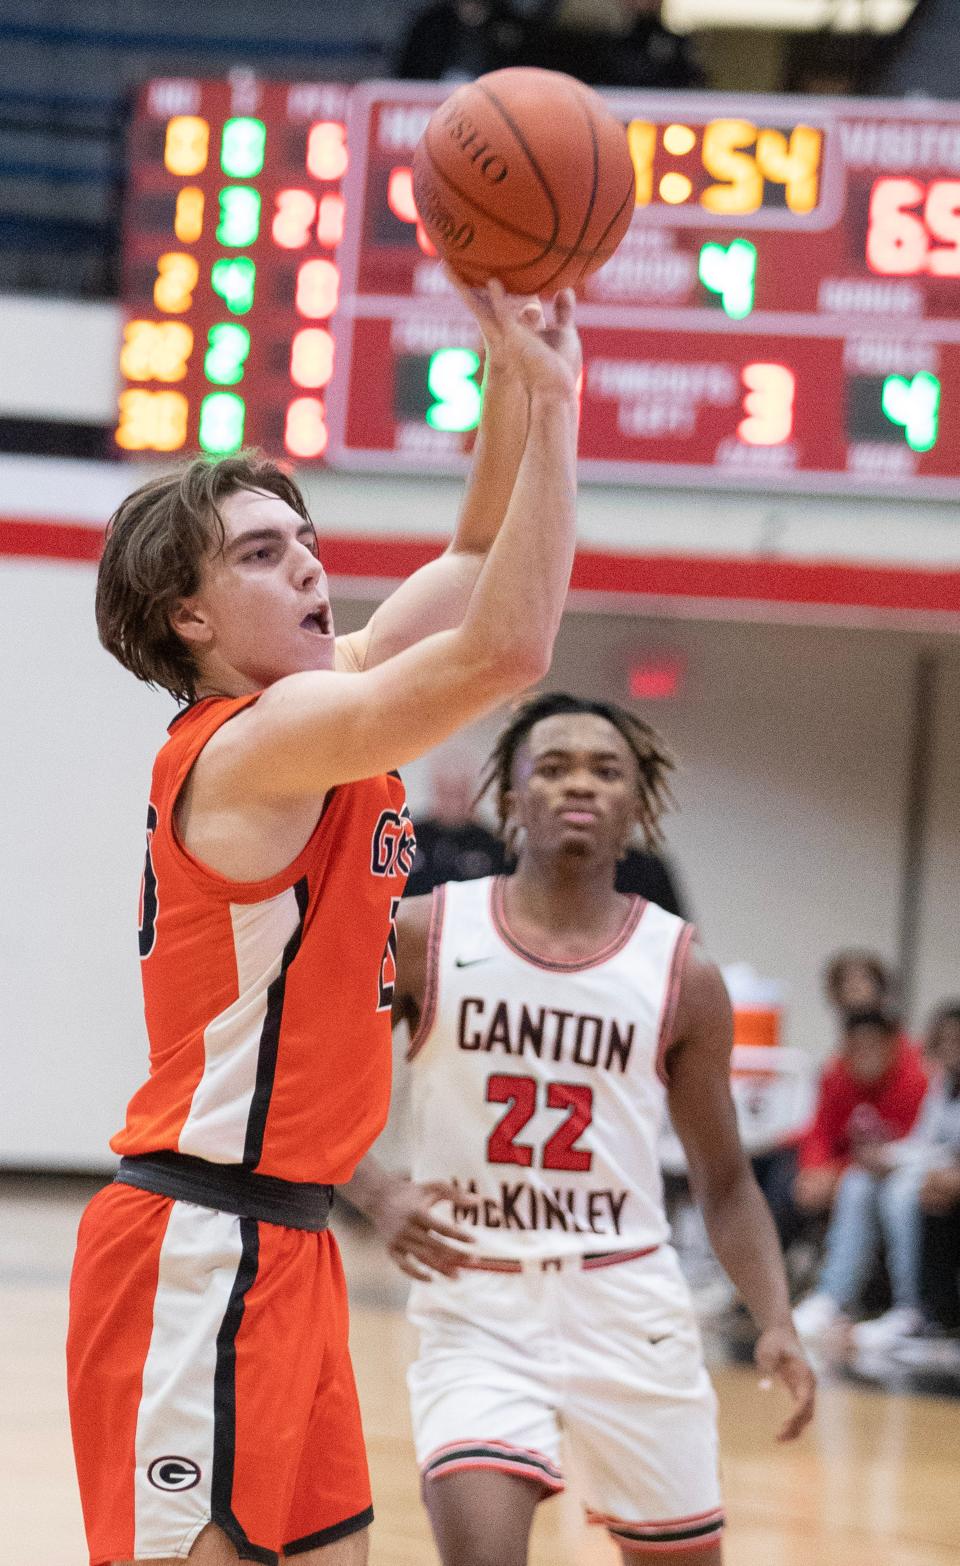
(538, 1086)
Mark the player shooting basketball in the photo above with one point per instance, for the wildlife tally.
(212, 1401)
(550, 1017)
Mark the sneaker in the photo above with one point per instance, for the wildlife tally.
(874, 1337)
(931, 1349)
(816, 1315)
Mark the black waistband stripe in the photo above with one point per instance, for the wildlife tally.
(229, 1188)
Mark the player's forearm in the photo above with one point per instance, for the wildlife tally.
(520, 593)
(745, 1243)
(369, 1186)
(496, 461)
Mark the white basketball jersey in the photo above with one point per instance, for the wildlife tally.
(537, 1087)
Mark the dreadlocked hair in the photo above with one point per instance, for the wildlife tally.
(653, 758)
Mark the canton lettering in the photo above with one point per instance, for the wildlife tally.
(544, 1031)
(394, 844)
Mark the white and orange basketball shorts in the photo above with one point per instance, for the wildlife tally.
(604, 1357)
(210, 1381)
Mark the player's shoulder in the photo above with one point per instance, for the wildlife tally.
(703, 999)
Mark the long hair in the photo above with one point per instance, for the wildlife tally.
(157, 541)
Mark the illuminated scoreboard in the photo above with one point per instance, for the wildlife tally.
(783, 313)
(234, 215)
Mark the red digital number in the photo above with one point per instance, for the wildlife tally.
(402, 205)
(305, 433)
(899, 237)
(559, 1150)
(318, 288)
(768, 404)
(293, 218)
(330, 216)
(327, 156)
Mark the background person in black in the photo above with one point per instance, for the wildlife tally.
(457, 40)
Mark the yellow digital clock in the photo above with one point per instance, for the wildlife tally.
(730, 167)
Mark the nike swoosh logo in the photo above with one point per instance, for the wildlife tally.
(468, 962)
(662, 1338)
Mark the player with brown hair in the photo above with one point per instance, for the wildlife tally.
(551, 1021)
(212, 1400)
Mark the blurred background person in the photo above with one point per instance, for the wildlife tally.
(858, 980)
(907, 1185)
(452, 843)
(456, 40)
(611, 43)
(869, 1097)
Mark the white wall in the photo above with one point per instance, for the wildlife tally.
(788, 838)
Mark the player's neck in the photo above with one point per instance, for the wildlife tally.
(564, 897)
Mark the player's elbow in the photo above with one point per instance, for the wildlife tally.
(520, 662)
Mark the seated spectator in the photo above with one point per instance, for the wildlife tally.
(456, 40)
(856, 980)
(868, 1101)
(611, 43)
(452, 845)
(928, 1169)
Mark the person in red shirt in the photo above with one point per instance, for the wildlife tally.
(869, 1096)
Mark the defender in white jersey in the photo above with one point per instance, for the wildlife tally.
(550, 1020)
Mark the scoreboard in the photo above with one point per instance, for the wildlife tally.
(783, 313)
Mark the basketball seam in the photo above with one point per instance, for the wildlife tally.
(508, 228)
(522, 140)
(545, 282)
(596, 251)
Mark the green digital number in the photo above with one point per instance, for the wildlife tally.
(451, 381)
(222, 416)
(239, 216)
(915, 406)
(227, 349)
(234, 279)
(243, 146)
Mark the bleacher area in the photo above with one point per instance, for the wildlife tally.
(68, 74)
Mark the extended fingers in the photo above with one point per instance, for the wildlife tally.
(564, 306)
(801, 1384)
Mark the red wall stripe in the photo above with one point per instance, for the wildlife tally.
(730, 579)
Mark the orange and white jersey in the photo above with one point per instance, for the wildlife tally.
(537, 1086)
(268, 1002)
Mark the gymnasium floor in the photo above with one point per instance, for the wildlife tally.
(876, 1483)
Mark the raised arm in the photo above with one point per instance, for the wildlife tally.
(311, 731)
(435, 597)
(738, 1219)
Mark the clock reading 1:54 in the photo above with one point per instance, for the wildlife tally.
(749, 166)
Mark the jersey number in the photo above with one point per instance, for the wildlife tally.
(560, 1150)
(388, 967)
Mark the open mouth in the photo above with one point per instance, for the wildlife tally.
(319, 622)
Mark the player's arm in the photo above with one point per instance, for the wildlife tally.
(737, 1217)
(435, 597)
(401, 1209)
(310, 731)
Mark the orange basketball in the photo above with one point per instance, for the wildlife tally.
(526, 176)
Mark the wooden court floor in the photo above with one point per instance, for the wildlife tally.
(876, 1483)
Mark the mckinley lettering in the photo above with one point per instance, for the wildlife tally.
(521, 1206)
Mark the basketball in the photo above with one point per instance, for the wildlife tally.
(526, 176)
